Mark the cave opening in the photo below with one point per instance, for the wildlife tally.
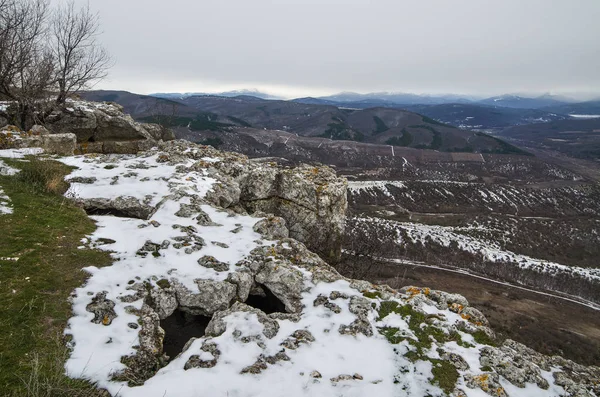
(267, 302)
(179, 328)
(107, 211)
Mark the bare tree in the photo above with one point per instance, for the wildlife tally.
(22, 27)
(26, 67)
(80, 60)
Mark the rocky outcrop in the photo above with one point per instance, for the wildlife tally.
(309, 203)
(312, 200)
(61, 144)
(216, 236)
(96, 127)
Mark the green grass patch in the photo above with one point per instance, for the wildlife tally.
(43, 176)
(483, 338)
(372, 294)
(43, 232)
(391, 334)
(445, 375)
(388, 307)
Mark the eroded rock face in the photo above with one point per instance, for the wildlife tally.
(121, 206)
(272, 228)
(312, 200)
(95, 122)
(149, 356)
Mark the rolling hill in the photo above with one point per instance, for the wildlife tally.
(388, 126)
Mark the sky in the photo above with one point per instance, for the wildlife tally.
(294, 48)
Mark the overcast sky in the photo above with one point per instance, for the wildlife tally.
(314, 47)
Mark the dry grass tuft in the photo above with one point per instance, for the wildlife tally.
(44, 176)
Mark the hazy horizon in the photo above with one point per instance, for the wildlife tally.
(286, 95)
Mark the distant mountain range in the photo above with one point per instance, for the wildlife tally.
(380, 121)
(401, 99)
(519, 102)
(229, 94)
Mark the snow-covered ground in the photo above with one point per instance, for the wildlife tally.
(585, 116)
(372, 365)
(491, 251)
(97, 349)
(372, 187)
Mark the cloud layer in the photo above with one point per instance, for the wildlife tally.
(312, 47)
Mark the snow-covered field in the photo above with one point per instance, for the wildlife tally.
(490, 250)
(372, 187)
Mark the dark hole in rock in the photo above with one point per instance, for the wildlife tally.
(92, 139)
(268, 303)
(108, 211)
(179, 328)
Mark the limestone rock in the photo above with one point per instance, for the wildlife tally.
(456, 360)
(285, 282)
(39, 130)
(121, 206)
(211, 263)
(312, 200)
(272, 228)
(217, 325)
(102, 308)
(298, 338)
(488, 382)
(159, 132)
(244, 281)
(149, 357)
(196, 361)
(61, 144)
(212, 296)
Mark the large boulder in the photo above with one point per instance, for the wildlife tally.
(61, 144)
(103, 128)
